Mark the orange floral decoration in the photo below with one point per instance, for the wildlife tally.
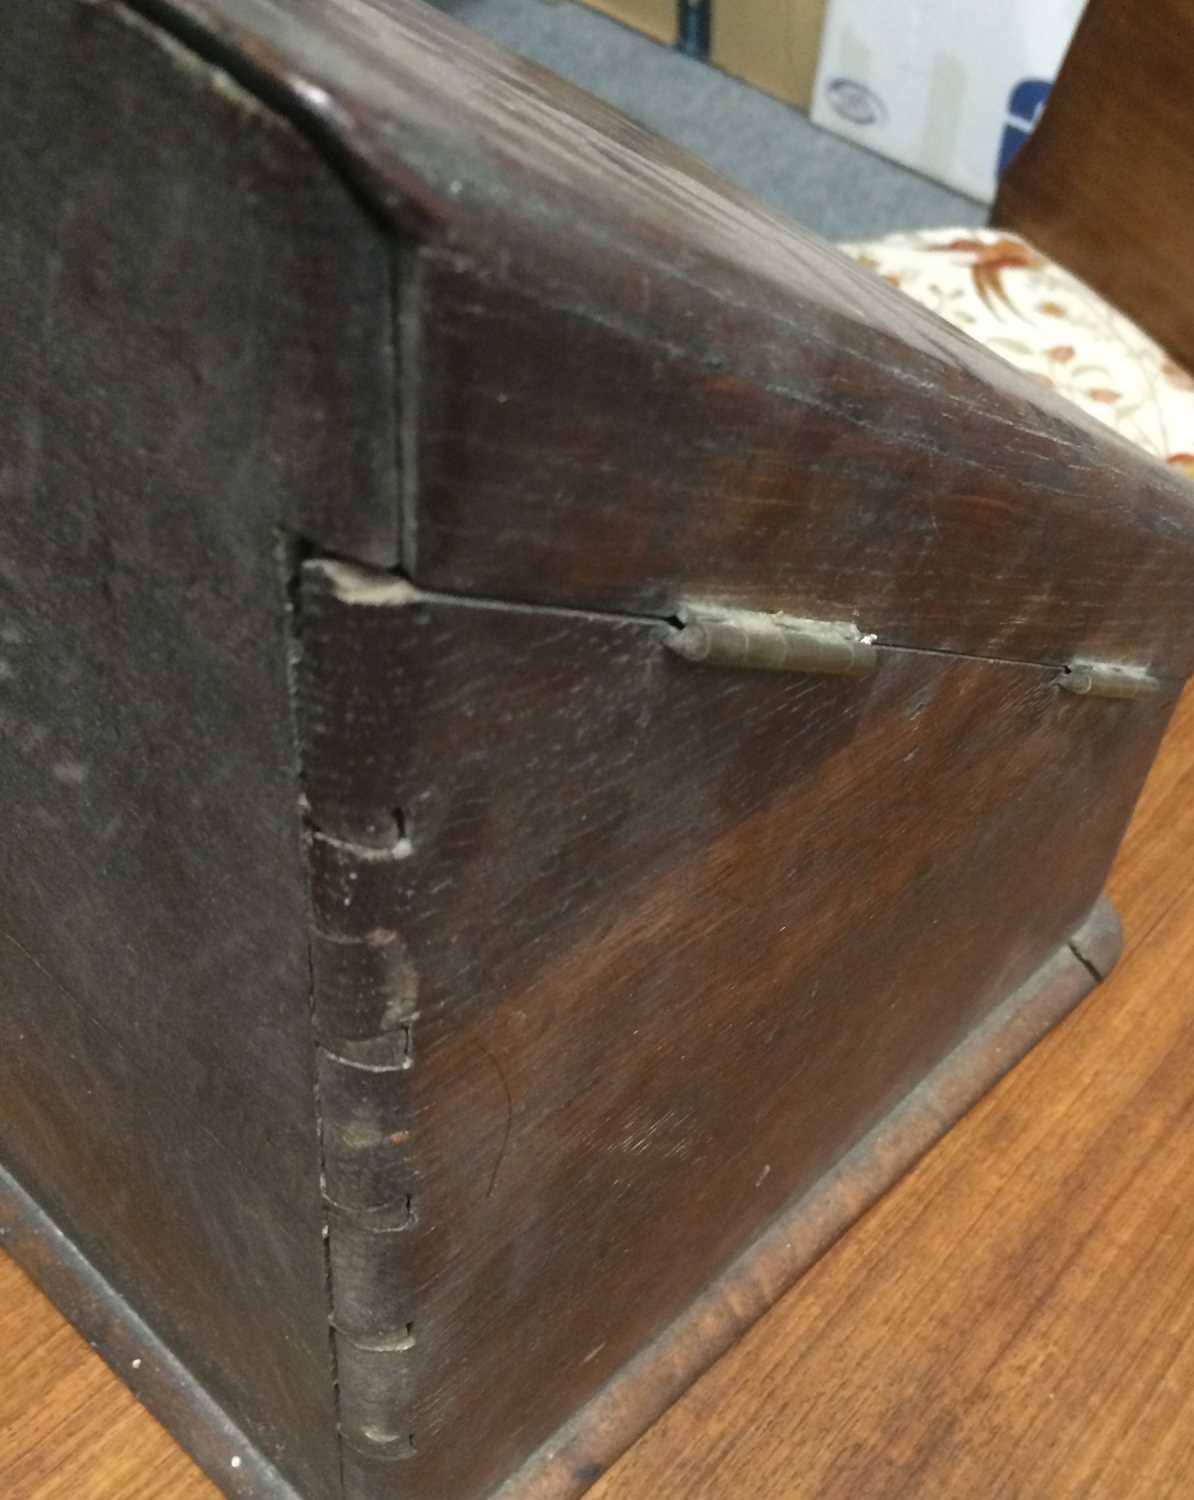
(991, 260)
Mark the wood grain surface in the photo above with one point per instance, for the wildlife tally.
(156, 1070)
(603, 1105)
(627, 385)
(1015, 1320)
(767, 938)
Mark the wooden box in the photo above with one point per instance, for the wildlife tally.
(554, 735)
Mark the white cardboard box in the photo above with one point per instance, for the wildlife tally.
(949, 87)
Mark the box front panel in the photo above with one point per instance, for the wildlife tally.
(664, 940)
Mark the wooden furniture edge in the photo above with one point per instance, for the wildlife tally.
(455, 185)
(618, 1415)
(604, 1429)
(157, 1378)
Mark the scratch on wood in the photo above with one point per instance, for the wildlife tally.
(501, 1073)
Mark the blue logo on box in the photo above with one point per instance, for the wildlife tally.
(1024, 110)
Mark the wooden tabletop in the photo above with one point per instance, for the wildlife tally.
(1015, 1321)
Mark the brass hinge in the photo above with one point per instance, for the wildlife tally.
(1098, 679)
(771, 642)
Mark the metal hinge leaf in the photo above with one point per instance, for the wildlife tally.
(1097, 679)
(771, 642)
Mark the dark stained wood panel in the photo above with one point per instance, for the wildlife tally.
(1103, 185)
(917, 1354)
(558, 966)
(1017, 1318)
(189, 310)
(659, 962)
(636, 386)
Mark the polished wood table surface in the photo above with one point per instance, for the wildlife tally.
(1015, 1321)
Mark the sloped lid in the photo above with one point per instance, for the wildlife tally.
(628, 387)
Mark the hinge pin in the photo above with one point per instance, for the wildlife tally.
(775, 643)
(1097, 679)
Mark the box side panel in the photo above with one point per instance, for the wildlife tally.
(189, 305)
(664, 941)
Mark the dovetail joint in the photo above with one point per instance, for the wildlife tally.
(366, 1052)
(365, 1013)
